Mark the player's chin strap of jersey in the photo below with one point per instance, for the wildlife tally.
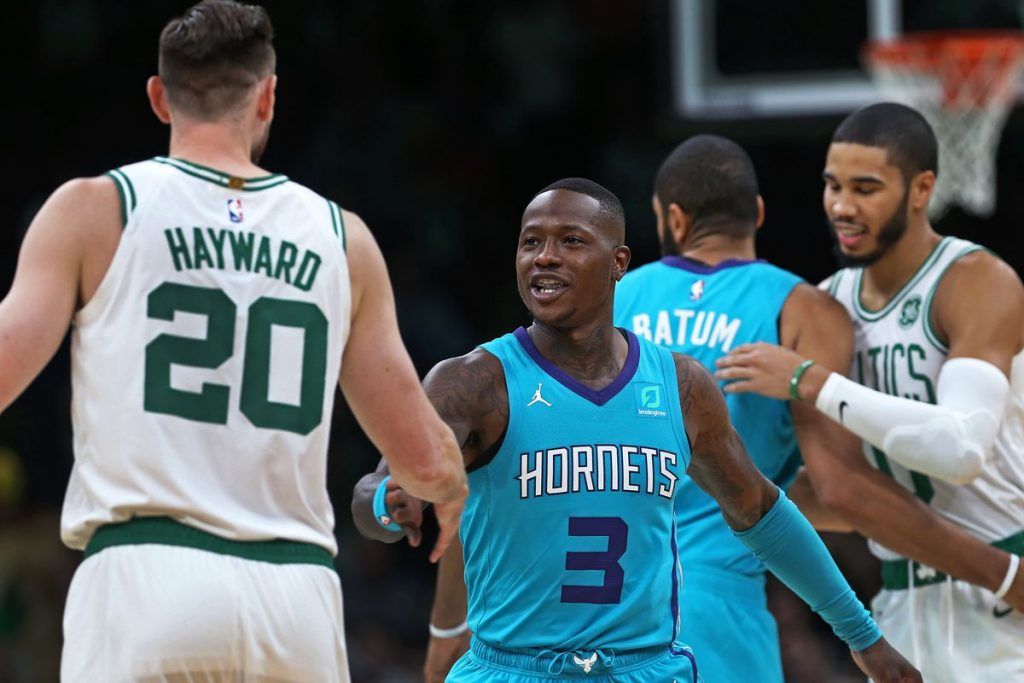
(792, 550)
(950, 441)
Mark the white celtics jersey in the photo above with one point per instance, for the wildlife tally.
(899, 353)
(204, 367)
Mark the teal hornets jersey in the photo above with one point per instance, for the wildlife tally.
(705, 311)
(569, 531)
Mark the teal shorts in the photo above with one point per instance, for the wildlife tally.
(725, 620)
(488, 664)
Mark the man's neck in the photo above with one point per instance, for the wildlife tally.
(593, 354)
(216, 145)
(884, 278)
(713, 249)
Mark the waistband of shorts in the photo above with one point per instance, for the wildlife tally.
(563, 663)
(729, 585)
(894, 572)
(167, 531)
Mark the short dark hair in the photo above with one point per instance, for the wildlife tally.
(611, 207)
(712, 179)
(905, 135)
(213, 54)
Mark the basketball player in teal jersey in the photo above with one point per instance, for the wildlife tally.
(215, 308)
(936, 390)
(577, 435)
(706, 296)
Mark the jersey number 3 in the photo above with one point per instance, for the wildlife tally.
(610, 592)
(210, 404)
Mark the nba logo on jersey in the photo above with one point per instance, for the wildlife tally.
(235, 210)
(697, 290)
(649, 400)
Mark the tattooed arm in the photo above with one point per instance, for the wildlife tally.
(719, 463)
(469, 394)
(770, 525)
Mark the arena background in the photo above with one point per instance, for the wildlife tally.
(436, 122)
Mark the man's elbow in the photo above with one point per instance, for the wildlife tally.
(840, 497)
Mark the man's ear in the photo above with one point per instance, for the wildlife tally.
(158, 99)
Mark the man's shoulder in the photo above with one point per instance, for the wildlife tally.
(477, 369)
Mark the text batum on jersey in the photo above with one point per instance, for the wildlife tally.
(575, 469)
(707, 329)
(223, 249)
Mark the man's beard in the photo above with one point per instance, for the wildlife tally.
(890, 233)
(259, 146)
(668, 243)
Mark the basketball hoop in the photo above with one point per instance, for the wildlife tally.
(964, 83)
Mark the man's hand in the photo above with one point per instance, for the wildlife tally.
(449, 516)
(767, 369)
(442, 653)
(405, 510)
(883, 664)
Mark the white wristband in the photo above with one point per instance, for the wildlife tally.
(1011, 574)
(455, 631)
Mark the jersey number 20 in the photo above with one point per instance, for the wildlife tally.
(210, 404)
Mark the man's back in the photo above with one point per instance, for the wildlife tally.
(204, 365)
(704, 311)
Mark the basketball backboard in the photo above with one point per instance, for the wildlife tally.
(744, 59)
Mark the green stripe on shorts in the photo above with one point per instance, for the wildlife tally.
(166, 531)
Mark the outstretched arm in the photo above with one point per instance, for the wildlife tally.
(951, 440)
(770, 525)
(384, 393)
(818, 327)
(36, 313)
(470, 396)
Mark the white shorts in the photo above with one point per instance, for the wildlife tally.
(953, 632)
(167, 614)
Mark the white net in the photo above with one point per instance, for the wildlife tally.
(964, 88)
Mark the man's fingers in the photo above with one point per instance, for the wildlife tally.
(396, 498)
(413, 535)
(739, 387)
(444, 539)
(737, 372)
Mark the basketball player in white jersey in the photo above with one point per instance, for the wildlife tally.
(214, 307)
(936, 388)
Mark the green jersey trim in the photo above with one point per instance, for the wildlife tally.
(338, 223)
(223, 179)
(872, 316)
(833, 282)
(895, 572)
(929, 331)
(126, 193)
(167, 531)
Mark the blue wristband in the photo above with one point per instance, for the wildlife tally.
(790, 548)
(380, 506)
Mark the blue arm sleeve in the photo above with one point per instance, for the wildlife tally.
(790, 548)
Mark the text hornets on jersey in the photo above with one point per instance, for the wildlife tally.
(601, 467)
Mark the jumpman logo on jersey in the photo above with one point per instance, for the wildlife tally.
(537, 398)
(585, 664)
